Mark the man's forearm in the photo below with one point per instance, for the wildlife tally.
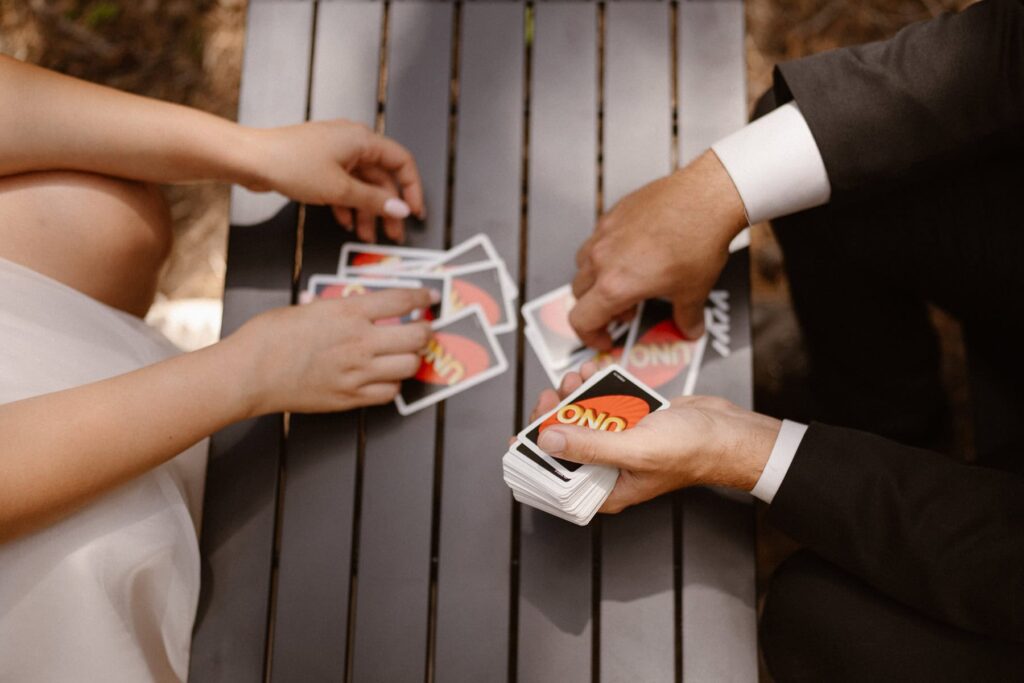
(49, 121)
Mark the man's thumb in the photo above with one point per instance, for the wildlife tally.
(374, 200)
(689, 319)
(582, 445)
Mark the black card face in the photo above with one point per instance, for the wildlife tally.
(613, 404)
(539, 461)
(661, 355)
(483, 287)
(459, 353)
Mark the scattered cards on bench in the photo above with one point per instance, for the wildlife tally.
(611, 401)
(477, 302)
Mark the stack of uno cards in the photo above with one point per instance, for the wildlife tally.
(477, 302)
(611, 401)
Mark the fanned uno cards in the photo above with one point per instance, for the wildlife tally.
(476, 302)
(611, 401)
(462, 353)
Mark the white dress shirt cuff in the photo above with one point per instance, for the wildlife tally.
(790, 436)
(775, 165)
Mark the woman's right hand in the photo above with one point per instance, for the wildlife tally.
(329, 355)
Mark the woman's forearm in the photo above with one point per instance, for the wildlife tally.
(49, 121)
(60, 450)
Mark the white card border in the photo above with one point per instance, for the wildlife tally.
(406, 409)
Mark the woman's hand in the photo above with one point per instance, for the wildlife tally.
(341, 164)
(329, 355)
(699, 440)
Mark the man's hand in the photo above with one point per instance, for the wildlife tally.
(670, 239)
(700, 440)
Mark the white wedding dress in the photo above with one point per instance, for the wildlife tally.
(109, 593)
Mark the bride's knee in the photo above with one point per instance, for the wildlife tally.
(107, 237)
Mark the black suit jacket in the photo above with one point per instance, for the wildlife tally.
(939, 92)
(945, 538)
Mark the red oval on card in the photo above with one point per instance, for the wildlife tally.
(613, 413)
(555, 316)
(450, 359)
(466, 294)
(363, 259)
(661, 355)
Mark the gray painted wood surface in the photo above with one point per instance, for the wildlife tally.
(393, 575)
(240, 505)
(719, 628)
(555, 587)
(319, 491)
(637, 571)
(473, 589)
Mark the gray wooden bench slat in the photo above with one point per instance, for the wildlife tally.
(311, 619)
(637, 638)
(393, 575)
(719, 627)
(555, 580)
(240, 507)
(475, 525)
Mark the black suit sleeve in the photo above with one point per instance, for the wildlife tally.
(939, 92)
(939, 536)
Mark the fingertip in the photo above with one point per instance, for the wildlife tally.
(588, 369)
(396, 208)
(552, 441)
(570, 383)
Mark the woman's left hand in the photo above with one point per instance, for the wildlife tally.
(360, 174)
(699, 440)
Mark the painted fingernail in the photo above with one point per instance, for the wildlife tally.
(396, 208)
(551, 442)
(435, 296)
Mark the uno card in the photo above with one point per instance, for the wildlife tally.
(659, 354)
(549, 316)
(482, 284)
(439, 282)
(357, 257)
(462, 353)
(341, 287)
(479, 249)
(610, 401)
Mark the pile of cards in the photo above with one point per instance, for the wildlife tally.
(476, 303)
(650, 345)
(611, 401)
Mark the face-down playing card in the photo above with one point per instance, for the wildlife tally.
(481, 284)
(659, 354)
(357, 258)
(611, 401)
(462, 353)
(554, 339)
(343, 287)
